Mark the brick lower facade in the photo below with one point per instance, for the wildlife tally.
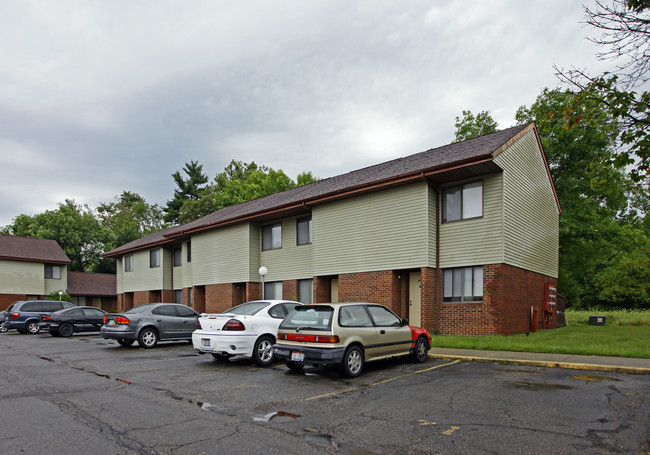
(508, 295)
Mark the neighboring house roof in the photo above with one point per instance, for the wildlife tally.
(472, 157)
(32, 250)
(92, 284)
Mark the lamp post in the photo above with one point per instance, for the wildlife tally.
(60, 294)
(263, 271)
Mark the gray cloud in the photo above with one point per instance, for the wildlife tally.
(98, 97)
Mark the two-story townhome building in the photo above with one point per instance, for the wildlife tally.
(460, 239)
(30, 269)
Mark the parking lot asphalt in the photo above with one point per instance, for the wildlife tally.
(571, 361)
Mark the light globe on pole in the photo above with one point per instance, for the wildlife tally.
(263, 271)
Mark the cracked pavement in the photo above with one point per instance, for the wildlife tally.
(83, 394)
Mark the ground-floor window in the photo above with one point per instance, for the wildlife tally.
(463, 284)
(273, 290)
(306, 291)
(178, 296)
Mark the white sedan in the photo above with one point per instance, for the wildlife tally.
(246, 330)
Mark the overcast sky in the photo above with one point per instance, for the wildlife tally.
(97, 97)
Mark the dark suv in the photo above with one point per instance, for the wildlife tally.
(25, 315)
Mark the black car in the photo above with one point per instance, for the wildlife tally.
(78, 319)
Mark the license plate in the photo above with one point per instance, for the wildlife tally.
(297, 356)
(206, 342)
(111, 323)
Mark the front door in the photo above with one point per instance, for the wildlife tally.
(415, 293)
(334, 290)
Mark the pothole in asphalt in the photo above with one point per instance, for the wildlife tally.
(595, 378)
(539, 387)
(505, 370)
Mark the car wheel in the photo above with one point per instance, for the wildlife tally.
(421, 350)
(2, 329)
(263, 351)
(65, 330)
(32, 327)
(222, 357)
(294, 366)
(353, 362)
(148, 338)
(124, 342)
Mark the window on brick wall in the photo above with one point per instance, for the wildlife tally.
(273, 290)
(462, 202)
(463, 284)
(178, 296)
(306, 291)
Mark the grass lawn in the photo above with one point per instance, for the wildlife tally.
(626, 334)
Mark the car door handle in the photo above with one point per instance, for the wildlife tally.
(383, 332)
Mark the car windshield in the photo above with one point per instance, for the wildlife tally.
(309, 318)
(248, 308)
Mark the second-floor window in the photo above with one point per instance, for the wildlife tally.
(189, 251)
(178, 258)
(154, 258)
(462, 202)
(53, 272)
(271, 236)
(303, 227)
(128, 263)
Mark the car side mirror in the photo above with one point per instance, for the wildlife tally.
(405, 322)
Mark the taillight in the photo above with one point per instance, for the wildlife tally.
(198, 325)
(281, 336)
(105, 319)
(309, 338)
(15, 315)
(233, 324)
(47, 318)
(122, 320)
(327, 339)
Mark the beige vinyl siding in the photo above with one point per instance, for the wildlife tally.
(166, 266)
(255, 249)
(18, 277)
(476, 241)
(143, 277)
(55, 285)
(292, 261)
(378, 231)
(531, 215)
(433, 200)
(119, 274)
(221, 255)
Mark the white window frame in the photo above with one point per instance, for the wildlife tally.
(154, 258)
(52, 272)
(273, 290)
(303, 223)
(462, 284)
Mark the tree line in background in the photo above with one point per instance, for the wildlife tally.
(85, 234)
(594, 130)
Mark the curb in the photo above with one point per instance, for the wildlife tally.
(538, 363)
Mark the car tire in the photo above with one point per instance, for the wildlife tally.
(294, 366)
(221, 357)
(66, 330)
(125, 343)
(353, 362)
(54, 333)
(32, 327)
(421, 350)
(3, 329)
(263, 351)
(148, 338)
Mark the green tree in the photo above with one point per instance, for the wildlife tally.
(73, 226)
(54, 295)
(128, 218)
(240, 182)
(188, 189)
(471, 126)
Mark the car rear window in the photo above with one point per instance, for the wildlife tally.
(309, 318)
(138, 309)
(248, 308)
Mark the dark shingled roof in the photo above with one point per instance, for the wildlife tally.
(458, 154)
(32, 250)
(92, 284)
